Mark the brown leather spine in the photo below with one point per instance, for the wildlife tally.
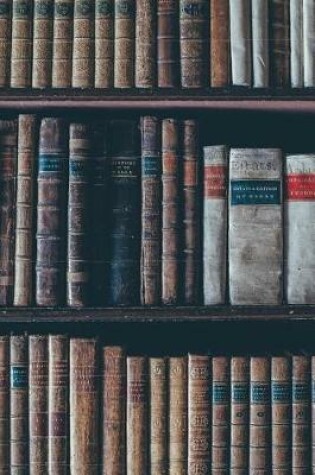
(4, 405)
(124, 43)
(5, 41)
(42, 42)
(104, 43)
(83, 55)
(279, 43)
(21, 50)
(168, 43)
(219, 43)
(146, 31)
(62, 43)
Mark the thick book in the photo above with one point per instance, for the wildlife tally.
(279, 24)
(219, 43)
(83, 57)
(255, 227)
(146, 44)
(124, 61)
(104, 43)
(62, 43)
(168, 68)
(240, 37)
(215, 177)
(22, 40)
(5, 404)
(296, 43)
(260, 43)
(5, 41)
(42, 43)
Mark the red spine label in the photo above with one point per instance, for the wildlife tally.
(215, 181)
(300, 187)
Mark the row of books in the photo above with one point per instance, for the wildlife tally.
(149, 43)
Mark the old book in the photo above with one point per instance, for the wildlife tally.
(124, 63)
(62, 43)
(42, 43)
(279, 24)
(104, 43)
(255, 226)
(178, 415)
(25, 209)
(308, 42)
(313, 412)
(199, 414)
(83, 44)
(240, 37)
(296, 43)
(21, 50)
(168, 43)
(194, 43)
(5, 41)
(58, 404)
(51, 212)
(215, 174)
(219, 43)
(114, 411)
(19, 404)
(38, 404)
(260, 416)
(137, 415)
(260, 42)
(146, 32)
(151, 243)
(84, 406)
(4, 405)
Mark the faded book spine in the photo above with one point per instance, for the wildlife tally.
(22, 39)
(124, 64)
(168, 43)
(296, 43)
(260, 43)
(42, 43)
(146, 32)
(83, 44)
(5, 41)
(62, 43)
(104, 43)
(279, 43)
(255, 227)
(215, 176)
(158, 416)
(240, 37)
(5, 405)
(219, 43)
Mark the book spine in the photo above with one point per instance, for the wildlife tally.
(124, 63)
(215, 176)
(178, 415)
(146, 33)
(296, 43)
(84, 407)
(4, 405)
(279, 43)
(5, 41)
(168, 43)
(199, 414)
(83, 44)
(42, 43)
(38, 404)
(62, 43)
(25, 207)
(137, 416)
(308, 47)
(255, 227)
(51, 212)
(104, 43)
(313, 412)
(260, 42)
(240, 20)
(114, 411)
(151, 210)
(21, 50)
(58, 405)
(219, 43)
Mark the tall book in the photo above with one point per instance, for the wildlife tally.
(313, 411)
(22, 39)
(260, 42)
(240, 37)
(168, 43)
(4, 404)
(215, 175)
(5, 41)
(42, 43)
(146, 33)
(219, 43)
(51, 212)
(255, 226)
(124, 62)
(104, 43)
(279, 22)
(83, 44)
(62, 43)
(84, 406)
(296, 44)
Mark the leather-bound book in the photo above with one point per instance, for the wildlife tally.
(279, 24)
(22, 39)
(260, 43)
(25, 210)
(240, 38)
(137, 416)
(114, 411)
(151, 244)
(5, 41)
(296, 43)
(104, 43)
(146, 44)
(84, 407)
(42, 43)
(51, 212)
(38, 404)
(168, 43)
(124, 69)
(219, 43)
(58, 405)
(5, 405)
(62, 43)
(125, 213)
(83, 56)
(199, 414)
(178, 415)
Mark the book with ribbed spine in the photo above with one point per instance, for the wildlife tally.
(104, 43)
(168, 68)
(4, 404)
(240, 38)
(5, 41)
(22, 40)
(62, 43)
(124, 61)
(279, 47)
(42, 43)
(219, 43)
(146, 32)
(83, 56)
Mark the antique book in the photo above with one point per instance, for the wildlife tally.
(5, 405)
(84, 406)
(19, 404)
(296, 43)
(215, 174)
(199, 414)
(114, 411)
(38, 404)
(125, 209)
(240, 37)
(219, 43)
(178, 415)
(58, 404)
(168, 43)
(279, 24)
(124, 62)
(146, 47)
(62, 43)
(313, 412)
(151, 212)
(42, 43)
(104, 43)
(255, 227)
(260, 43)
(5, 41)
(83, 56)
(22, 39)
(25, 210)
(194, 43)
(137, 415)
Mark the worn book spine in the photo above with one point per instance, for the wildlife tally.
(84, 406)
(25, 208)
(146, 43)
(114, 411)
(255, 227)
(42, 43)
(5, 405)
(158, 416)
(199, 414)
(124, 63)
(178, 415)
(51, 212)
(215, 176)
(296, 43)
(240, 37)
(62, 43)
(313, 412)
(5, 41)
(151, 216)
(168, 43)
(219, 43)
(21, 50)
(279, 43)
(137, 415)
(104, 43)
(83, 56)
(58, 405)
(260, 43)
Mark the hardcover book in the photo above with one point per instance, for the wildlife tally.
(279, 43)
(168, 43)
(124, 73)
(83, 56)
(219, 43)
(296, 43)
(146, 47)
(42, 43)
(22, 43)
(62, 43)
(240, 34)
(4, 405)
(104, 43)
(260, 37)
(5, 41)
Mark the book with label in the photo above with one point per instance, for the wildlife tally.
(240, 37)
(83, 57)
(219, 43)
(104, 43)
(42, 43)
(62, 43)
(124, 61)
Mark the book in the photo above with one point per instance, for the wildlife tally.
(104, 43)
(260, 42)
(62, 43)
(255, 250)
(219, 43)
(21, 45)
(42, 43)
(168, 43)
(83, 53)
(4, 404)
(240, 37)
(145, 44)
(296, 44)
(313, 411)
(5, 41)
(279, 22)
(124, 61)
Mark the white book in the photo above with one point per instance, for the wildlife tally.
(240, 28)
(309, 42)
(255, 227)
(296, 42)
(260, 43)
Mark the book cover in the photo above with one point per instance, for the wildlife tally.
(219, 43)
(240, 37)
(296, 43)
(279, 21)
(124, 64)
(62, 43)
(168, 68)
(5, 41)
(104, 43)
(260, 42)
(22, 43)
(146, 44)
(83, 53)
(42, 43)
